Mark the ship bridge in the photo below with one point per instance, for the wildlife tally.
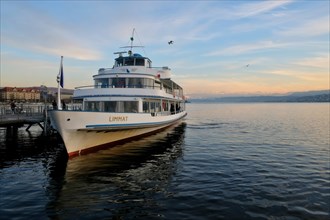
(132, 60)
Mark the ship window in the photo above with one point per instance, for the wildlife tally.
(122, 106)
(112, 106)
(139, 62)
(140, 83)
(131, 106)
(92, 106)
(101, 83)
(146, 107)
(119, 61)
(149, 83)
(129, 62)
(135, 83)
(118, 82)
(151, 106)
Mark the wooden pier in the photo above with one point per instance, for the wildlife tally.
(28, 115)
(19, 120)
(24, 116)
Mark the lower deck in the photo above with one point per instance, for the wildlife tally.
(133, 105)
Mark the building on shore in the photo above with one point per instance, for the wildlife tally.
(33, 94)
(22, 94)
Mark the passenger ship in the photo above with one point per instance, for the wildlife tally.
(128, 101)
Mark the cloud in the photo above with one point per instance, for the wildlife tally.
(195, 24)
(230, 86)
(247, 48)
(36, 72)
(314, 27)
(38, 32)
(43, 72)
(302, 75)
(256, 8)
(321, 62)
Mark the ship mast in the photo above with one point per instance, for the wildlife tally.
(132, 39)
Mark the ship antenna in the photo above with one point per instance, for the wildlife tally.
(131, 45)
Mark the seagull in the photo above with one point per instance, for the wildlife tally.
(170, 42)
(247, 65)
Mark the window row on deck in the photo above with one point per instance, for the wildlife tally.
(146, 106)
(131, 82)
(121, 82)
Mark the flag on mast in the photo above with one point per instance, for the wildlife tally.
(61, 73)
(60, 83)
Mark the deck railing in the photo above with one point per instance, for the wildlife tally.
(175, 93)
(32, 109)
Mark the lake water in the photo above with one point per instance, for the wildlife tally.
(225, 161)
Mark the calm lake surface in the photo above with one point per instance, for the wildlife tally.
(225, 161)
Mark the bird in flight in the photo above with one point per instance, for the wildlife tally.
(170, 42)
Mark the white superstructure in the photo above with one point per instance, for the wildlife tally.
(129, 100)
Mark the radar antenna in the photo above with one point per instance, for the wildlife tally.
(120, 53)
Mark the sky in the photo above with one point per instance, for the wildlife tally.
(220, 47)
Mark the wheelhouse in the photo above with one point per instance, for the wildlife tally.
(132, 60)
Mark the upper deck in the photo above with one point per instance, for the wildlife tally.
(134, 64)
(132, 75)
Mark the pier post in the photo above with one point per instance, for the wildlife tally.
(45, 122)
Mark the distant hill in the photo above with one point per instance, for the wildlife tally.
(310, 93)
(310, 96)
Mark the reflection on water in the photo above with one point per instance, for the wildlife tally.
(229, 161)
(21, 144)
(127, 180)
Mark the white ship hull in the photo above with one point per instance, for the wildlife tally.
(85, 132)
